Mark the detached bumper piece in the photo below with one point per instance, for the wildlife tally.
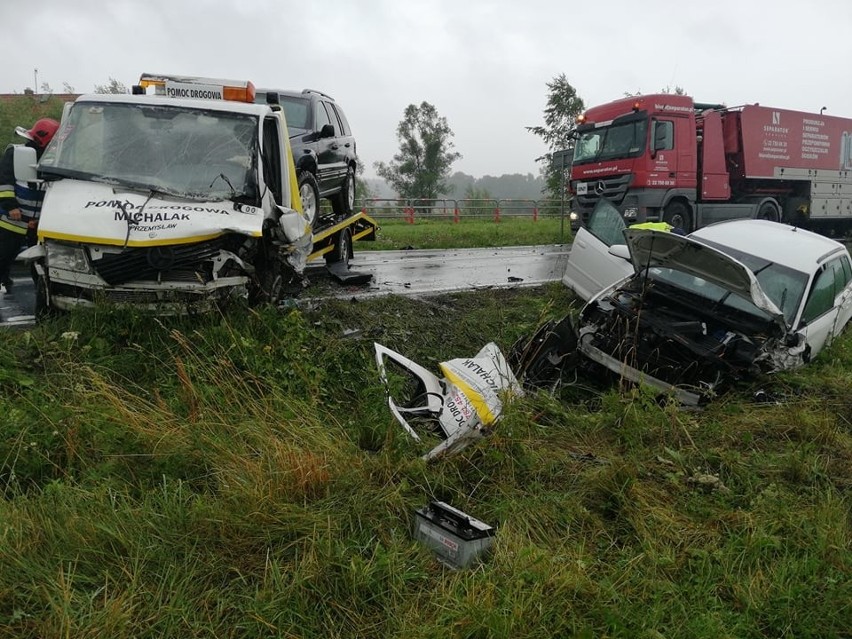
(461, 407)
(456, 538)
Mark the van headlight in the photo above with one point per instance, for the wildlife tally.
(67, 258)
(574, 217)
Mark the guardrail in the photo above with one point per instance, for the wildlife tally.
(456, 210)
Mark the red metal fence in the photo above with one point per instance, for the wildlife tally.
(457, 210)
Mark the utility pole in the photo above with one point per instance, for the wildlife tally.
(35, 81)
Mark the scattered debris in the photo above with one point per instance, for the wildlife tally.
(352, 332)
(539, 360)
(766, 397)
(707, 482)
(512, 278)
(342, 273)
(461, 406)
(589, 458)
(455, 537)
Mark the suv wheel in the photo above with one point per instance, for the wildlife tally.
(344, 202)
(309, 193)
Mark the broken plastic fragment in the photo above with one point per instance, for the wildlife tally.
(462, 404)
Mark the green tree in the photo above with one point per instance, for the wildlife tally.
(419, 171)
(362, 188)
(112, 86)
(677, 90)
(560, 114)
(478, 201)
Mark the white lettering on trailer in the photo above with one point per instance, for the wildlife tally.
(195, 91)
(815, 143)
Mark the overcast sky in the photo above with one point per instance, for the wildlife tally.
(483, 64)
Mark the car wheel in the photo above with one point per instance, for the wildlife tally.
(677, 214)
(342, 249)
(344, 202)
(309, 193)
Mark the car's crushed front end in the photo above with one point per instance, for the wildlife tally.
(690, 321)
(647, 333)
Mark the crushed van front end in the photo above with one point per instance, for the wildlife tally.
(175, 278)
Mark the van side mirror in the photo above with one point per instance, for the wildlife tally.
(327, 131)
(25, 164)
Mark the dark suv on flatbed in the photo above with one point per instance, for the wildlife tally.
(323, 149)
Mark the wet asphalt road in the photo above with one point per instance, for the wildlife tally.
(414, 272)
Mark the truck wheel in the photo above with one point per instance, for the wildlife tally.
(42, 305)
(309, 192)
(768, 211)
(342, 249)
(344, 202)
(677, 214)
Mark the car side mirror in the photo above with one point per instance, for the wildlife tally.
(25, 164)
(327, 131)
(620, 250)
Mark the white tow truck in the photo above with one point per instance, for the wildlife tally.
(175, 198)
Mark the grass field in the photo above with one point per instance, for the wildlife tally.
(443, 233)
(241, 476)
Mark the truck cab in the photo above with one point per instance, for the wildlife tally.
(638, 153)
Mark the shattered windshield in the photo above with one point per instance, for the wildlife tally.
(618, 140)
(197, 153)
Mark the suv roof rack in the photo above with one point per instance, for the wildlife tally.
(325, 95)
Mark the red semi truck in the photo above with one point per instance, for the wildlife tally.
(666, 157)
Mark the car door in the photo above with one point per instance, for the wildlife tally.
(599, 255)
(329, 157)
(346, 139)
(828, 305)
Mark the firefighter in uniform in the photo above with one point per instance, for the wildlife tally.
(20, 204)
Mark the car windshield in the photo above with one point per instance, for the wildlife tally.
(783, 285)
(196, 153)
(619, 140)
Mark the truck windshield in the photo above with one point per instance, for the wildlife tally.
(197, 153)
(618, 140)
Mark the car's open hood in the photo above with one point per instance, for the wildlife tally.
(669, 250)
(99, 213)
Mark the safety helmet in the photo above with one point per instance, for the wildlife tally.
(41, 133)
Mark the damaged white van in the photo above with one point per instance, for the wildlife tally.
(170, 203)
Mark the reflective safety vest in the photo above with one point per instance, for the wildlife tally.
(29, 197)
(653, 226)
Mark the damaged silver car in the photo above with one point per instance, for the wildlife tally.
(696, 313)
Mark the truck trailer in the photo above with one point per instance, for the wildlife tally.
(665, 157)
(175, 202)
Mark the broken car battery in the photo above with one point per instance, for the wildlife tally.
(456, 538)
